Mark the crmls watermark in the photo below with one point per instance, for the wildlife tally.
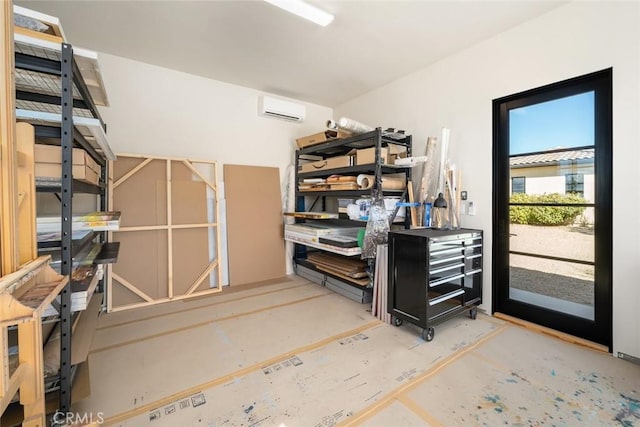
(77, 418)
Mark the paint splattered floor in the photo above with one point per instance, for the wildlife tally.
(296, 354)
(523, 378)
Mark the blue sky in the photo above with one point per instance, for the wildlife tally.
(565, 122)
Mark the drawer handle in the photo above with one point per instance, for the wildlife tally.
(437, 241)
(445, 280)
(446, 251)
(446, 297)
(449, 267)
(471, 273)
(474, 256)
(440, 261)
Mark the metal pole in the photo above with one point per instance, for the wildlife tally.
(67, 215)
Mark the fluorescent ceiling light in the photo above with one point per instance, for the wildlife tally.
(304, 10)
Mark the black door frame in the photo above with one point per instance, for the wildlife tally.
(600, 329)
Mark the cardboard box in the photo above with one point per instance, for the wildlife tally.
(48, 164)
(396, 152)
(330, 163)
(81, 173)
(367, 156)
(320, 137)
(388, 154)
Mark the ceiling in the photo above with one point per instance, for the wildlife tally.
(254, 44)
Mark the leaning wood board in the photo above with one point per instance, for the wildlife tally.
(25, 140)
(8, 189)
(254, 224)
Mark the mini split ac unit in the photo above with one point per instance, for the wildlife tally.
(281, 109)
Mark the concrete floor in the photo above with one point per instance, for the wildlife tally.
(296, 354)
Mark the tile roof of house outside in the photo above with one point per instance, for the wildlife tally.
(552, 158)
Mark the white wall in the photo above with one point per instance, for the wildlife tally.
(456, 92)
(162, 112)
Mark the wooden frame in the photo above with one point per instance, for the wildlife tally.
(169, 228)
(26, 187)
(24, 295)
(8, 190)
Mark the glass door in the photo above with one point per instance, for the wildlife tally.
(552, 206)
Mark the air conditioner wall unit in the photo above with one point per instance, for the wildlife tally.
(269, 106)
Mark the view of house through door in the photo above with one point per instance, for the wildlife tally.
(552, 206)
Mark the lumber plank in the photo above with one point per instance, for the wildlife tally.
(8, 189)
(359, 282)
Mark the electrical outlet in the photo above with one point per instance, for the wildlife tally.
(463, 195)
(471, 208)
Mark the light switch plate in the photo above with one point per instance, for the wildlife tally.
(471, 208)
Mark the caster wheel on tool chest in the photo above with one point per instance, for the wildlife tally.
(427, 334)
(397, 321)
(473, 313)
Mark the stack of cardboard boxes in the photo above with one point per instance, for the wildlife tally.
(355, 157)
(49, 166)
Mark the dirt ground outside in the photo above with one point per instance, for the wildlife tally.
(565, 280)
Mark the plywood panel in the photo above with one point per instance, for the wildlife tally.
(142, 198)
(188, 202)
(123, 166)
(254, 224)
(175, 202)
(143, 262)
(190, 258)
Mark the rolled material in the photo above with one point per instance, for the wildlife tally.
(410, 161)
(366, 182)
(430, 172)
(393, 184)
(444, 151)
(349, 125)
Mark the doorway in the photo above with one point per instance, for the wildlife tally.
(552, 201)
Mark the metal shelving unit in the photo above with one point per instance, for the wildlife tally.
(52, 95)
(375, 138)
(348, 193)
